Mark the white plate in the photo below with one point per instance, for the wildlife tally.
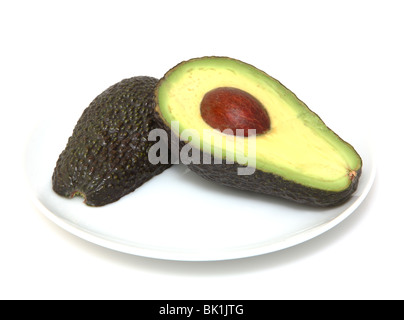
(178, 215)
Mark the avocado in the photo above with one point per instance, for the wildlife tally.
(107, 155)
(229, 116)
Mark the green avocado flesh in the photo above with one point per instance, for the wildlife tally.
(107, 155)
(295, 156)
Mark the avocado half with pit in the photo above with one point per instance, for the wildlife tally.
(234, 124)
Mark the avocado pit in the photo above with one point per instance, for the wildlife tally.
(231, 108)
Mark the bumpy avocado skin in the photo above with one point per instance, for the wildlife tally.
(107, 155)
(274, 185)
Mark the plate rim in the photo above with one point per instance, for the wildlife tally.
(185, 255)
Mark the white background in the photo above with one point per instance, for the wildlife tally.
(55, 57)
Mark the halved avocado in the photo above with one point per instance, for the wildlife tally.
(291, 152)
(106, 157)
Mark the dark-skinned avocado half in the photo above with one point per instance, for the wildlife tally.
(107, 155)
(293, 154)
